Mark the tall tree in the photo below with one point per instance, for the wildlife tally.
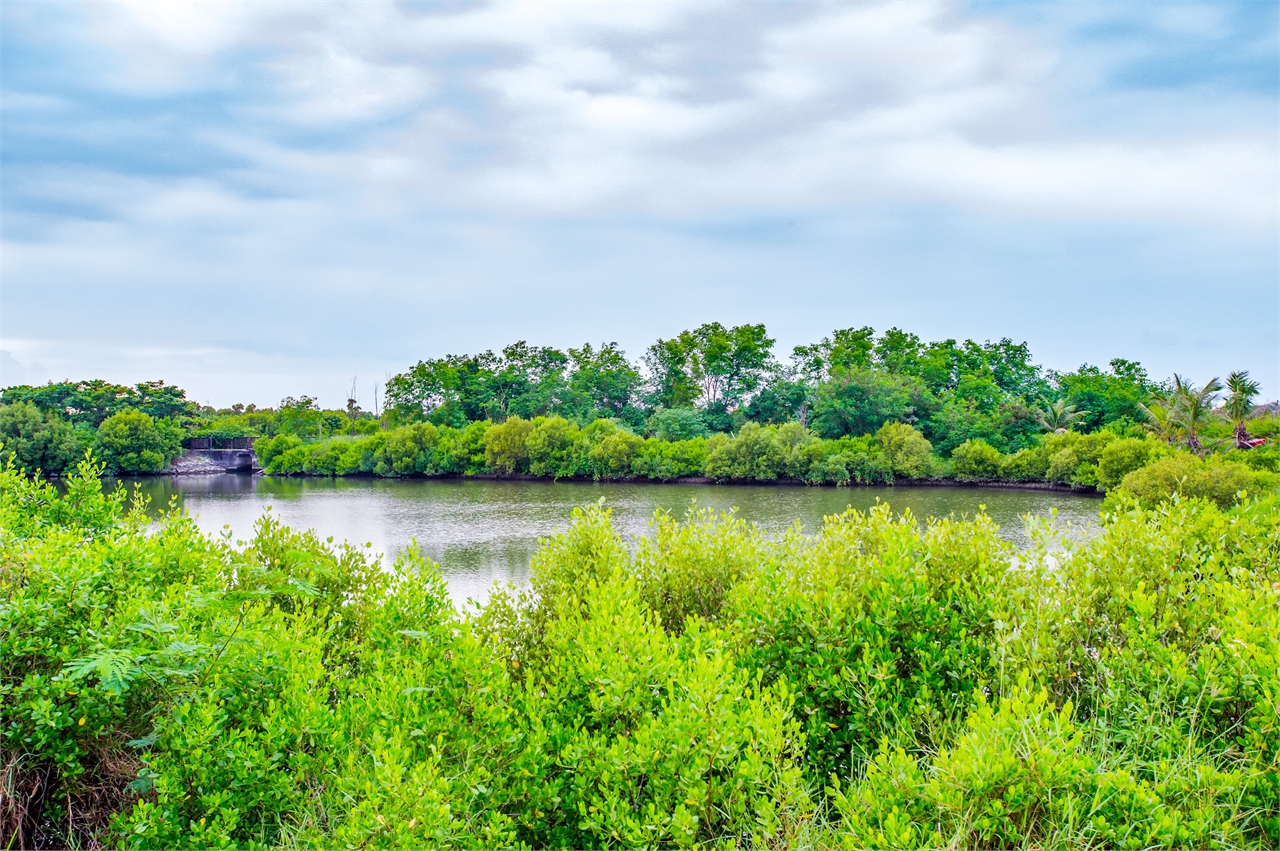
(1239, 405)
(1190, 407)
(710, 365)
(604, 380)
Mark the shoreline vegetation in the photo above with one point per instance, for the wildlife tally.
(881, 684)
(711, 404)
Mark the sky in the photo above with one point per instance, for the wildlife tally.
(260, 199)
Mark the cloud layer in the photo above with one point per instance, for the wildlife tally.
(362, 184)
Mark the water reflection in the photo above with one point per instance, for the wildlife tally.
(486, 531)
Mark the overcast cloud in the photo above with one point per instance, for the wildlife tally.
(254, 199)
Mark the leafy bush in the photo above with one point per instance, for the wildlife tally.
(36, 440)
(1073, 458)
(506, 447)
(612, 449)
(269, 449)
(555, 448)
(162, 688)
(133, 442)
(677, 424)
(975, 461)
(1265, 457)
(1025, 465)
(906, 450)
(664, 461)
(1122, 457)
(1213, 479)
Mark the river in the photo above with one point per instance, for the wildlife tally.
(485, 531)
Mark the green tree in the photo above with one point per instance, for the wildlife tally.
(37, 440)
(528, 382)
(602, 383)
(88, 403)
(709, 365)
(1191, 406)
(1117, 394)
(1060, 415)
(506, 446)
(1239, 406)
(785, 397)
(677, 424)
(845, 350)
(133, 442)
(975, 461)
(908, 451)
(302, 417)
(860, 401)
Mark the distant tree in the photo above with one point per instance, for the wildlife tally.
(1117, 394)
(1059, 416)
(1190, 407)
(527, 381)
(133, 442)
(677, 424)
(1239, 406)
(845, 350)
(603, 382)
(301, 417)
(860, 401)
(37, 440)
(709, 365)
(88, 403)
(899, 351)
(784, 397)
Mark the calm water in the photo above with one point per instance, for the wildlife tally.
(481, 532)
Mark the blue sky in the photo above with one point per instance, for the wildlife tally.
(259, 199)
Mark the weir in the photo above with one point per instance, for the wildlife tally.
(237, 456)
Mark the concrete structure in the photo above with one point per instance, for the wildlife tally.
(231, 459)
(234, 455)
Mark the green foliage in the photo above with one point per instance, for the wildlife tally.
(555, 448)
(1122, 457)
(612, 448)
(906, 450)
(161, 688)
(268, 449)
(859, 401)
(664, 461)
(1107, 397)
(133, 442)
(1214, 479)
(711, 364)
(506, 446)
(36, 440)
(1265, 457)
(89, 403)
(976, 461)
(677, 424)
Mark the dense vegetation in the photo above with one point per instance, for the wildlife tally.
(880, 684)
(855, 408)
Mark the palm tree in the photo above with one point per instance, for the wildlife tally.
(1159, 419)
(1059, 416)
(1190, 406)
(1239, 405)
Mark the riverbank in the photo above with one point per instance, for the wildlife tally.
(1051, 487)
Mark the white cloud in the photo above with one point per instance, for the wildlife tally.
(285, 154)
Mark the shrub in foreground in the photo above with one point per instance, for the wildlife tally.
(1213, 479)
(880, 684)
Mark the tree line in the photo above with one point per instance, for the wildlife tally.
(857, 407)
(849, 383)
